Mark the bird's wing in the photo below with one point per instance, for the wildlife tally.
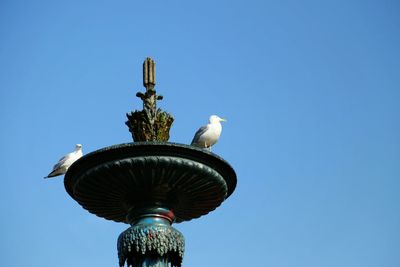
(55, 172)
(62, 161)
(199, 133)
(63, 164)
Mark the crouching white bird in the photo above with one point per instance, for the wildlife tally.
(65, 162)
(209, 134)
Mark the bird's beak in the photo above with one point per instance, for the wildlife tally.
(223, 120)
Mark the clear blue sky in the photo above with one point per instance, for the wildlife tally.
(311, 91)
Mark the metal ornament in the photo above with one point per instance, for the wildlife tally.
(150, 124)
(150, 185)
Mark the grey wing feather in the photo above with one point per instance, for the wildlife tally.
(60, 162)
(199, 132)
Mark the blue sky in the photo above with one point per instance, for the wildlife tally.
(311, 91)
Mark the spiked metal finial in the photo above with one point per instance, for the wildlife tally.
(150, 124)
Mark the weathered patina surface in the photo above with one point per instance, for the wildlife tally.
(150, 184)
(149, 124)
(151, 239)
(189, 180)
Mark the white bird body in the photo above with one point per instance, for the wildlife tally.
(209, 134)
(65, 162)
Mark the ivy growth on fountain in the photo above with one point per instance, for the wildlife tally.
(149, 124)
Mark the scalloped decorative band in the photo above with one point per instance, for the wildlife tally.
(141, 242)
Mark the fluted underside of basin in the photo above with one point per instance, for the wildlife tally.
(113, 181)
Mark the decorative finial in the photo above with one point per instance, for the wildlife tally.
(149, 73)
(150, 124)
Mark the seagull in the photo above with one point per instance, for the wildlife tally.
(65, 162)
(209, 134)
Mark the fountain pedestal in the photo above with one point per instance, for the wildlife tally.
(150, 184)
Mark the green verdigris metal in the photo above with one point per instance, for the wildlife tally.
(149, 124)
(151, 239)
(150, 185)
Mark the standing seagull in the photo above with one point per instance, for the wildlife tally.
(209, 134)
(65, 162)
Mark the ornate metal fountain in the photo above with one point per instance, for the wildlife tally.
(150, 184)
